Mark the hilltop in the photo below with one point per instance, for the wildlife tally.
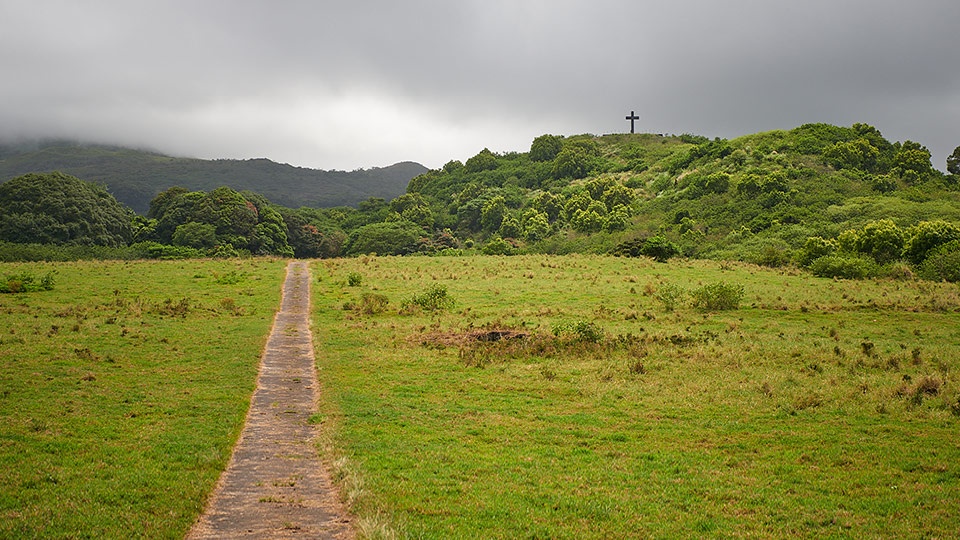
(134, 177)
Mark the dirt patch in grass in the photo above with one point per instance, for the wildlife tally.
(458, 338)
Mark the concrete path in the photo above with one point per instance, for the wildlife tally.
(275, 485)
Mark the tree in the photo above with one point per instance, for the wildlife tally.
(953, 162)
(492, 213)
(579, 202)
(57, 208)
(586, 221)
(549, 204)
(616, 220)
(509, 227)
(234, 216)
(536, 225)
(618, 195)
(413, 207)
(571, 163)
(546, 147)
(484, 161)
(913, 161)
(195, 235)
(392, 238)
(172, 208)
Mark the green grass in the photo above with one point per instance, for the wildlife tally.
(122, 391)
(818, 408)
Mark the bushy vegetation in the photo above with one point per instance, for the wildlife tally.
(717, 296)
(435, 298)
(776, 199)
(26, 281)
(57, 208)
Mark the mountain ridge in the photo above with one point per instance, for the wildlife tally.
(135, 176)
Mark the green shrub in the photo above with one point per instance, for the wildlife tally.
(717, 296)
(772, 253)
(580, 332)
(670, 296)
(154, 250)
(846, 267)
(354, 279)
(26, 282)
(657, 247)
(926, 236)
(497, 246)
(943, 263)
(224, 251)
(435, 298)
(816, 247)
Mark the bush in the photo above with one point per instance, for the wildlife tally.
(717, 296)
(670, 296)
(26, 282)
(497, 246)
(926, 236)
(372, 304)
(435, 298)
(580, 332)
(837, 266)
(816, 247)
(943, 263)
(354, 279)
(773, 254)
(153, 250)
(657, 247)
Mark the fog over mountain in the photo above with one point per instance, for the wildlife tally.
(371, 83)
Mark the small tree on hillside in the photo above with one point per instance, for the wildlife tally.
(953, 162)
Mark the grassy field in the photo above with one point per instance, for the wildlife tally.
(122, 391)
(561, 397)
(544, 397)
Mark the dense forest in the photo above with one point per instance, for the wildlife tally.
(842, 201)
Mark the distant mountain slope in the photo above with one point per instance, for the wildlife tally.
(134, 177)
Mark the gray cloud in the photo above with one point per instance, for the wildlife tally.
(366, 83)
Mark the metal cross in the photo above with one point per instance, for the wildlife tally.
(633, 116)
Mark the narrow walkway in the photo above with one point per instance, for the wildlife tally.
(275, 485)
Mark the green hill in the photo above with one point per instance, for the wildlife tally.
(773, 198)
(136, 176)
(742, 198)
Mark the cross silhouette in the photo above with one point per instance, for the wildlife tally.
(633, 116)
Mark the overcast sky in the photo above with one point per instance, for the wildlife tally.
(352, 83)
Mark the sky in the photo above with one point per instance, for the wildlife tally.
(338, 84)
